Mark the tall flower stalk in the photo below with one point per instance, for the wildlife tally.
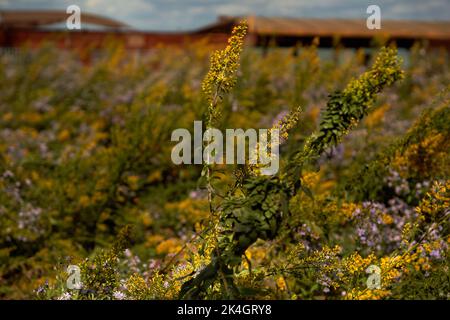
(346, 108)
(220, 79)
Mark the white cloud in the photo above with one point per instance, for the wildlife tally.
(189, 14)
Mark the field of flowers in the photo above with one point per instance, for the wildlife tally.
(86, 176)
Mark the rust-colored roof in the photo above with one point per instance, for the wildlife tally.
(33, 18)
(335, 27)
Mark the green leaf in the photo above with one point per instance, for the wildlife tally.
(307, 191)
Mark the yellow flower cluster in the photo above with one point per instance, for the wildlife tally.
(137, 287)
(281, 283)
(171, 245)
(194, 261)
(346, 211)
(355, 263)
(376, 117)
(392, 267)
(287, 123)
(189, 210)
(153, 240)
(283, 125)
(427, 157)
(435, 201)
(387, 219)
(255, 254)
(376, 294)
(224, 64)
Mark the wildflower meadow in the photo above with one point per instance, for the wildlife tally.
(93, 207)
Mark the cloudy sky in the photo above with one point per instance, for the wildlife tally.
(190, 14)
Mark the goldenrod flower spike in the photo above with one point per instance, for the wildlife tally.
(221, 77)
(345, 109)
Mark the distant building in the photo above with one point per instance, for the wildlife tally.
(32, 28)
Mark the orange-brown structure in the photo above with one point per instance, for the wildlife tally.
(348, 32)
(18, 28)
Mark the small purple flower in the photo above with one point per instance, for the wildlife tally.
(436, 254)
(119, 295)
